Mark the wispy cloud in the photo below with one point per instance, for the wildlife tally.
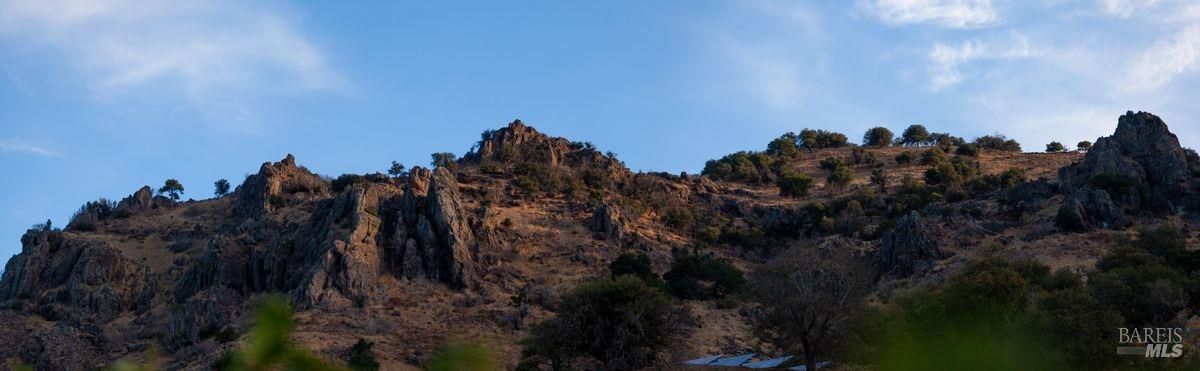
(215, 54)
(15, 146)
(945, 13)
(1165, 60)
(1126, 8)
(946, 61)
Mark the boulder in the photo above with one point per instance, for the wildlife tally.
(448, 217)
(607, 223)
(909, 248)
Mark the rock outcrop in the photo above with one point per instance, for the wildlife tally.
(608, 224)
(263, 192)
(430, 235)
(1141, 167)
(908, 248)
(74, 278)
(143, 200)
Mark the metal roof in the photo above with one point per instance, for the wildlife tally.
(733, 361)
(703, 360)
(774, 362)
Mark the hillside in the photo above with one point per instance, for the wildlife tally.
(413, 261)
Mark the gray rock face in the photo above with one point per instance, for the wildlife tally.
(908, 248)
(76, 278)
(608, 224)
(261, 193)
(1140, 167)
(448, 216)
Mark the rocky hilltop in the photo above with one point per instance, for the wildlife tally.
(414, 260)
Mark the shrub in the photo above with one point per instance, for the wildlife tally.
(220, 187)
(831, 163)
(784, 146)
(998, 142)
(1114, 184)
(915, 135)
(636, 264)
(703, 277)
(1055, 147)
(396, 170)
(620, 323)
(1068, 219)
(970, 149)
(444, 159)
(794, 185)
(879, 178)
(905, 157)
(172, 188)
(933, 156)
(818, 139)
(840, 177)
(677, 217)
(1083, 146)
(345, 181)
(878, 137)
(361, 358)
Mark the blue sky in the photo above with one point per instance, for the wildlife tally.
(100, 97)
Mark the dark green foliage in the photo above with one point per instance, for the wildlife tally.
(396, 170)
(933, 156)
(905, 157)
(1114, 184)
(618, 324)
(1084, 146)
(914, 195)
(840, 177)
(172, 188)
(1068, 219)
(794, 184)
(819, 139)
(832, 162)
(915, 135)
(970, 149)
(444, 159)
(993, 315)
(878, 137)
(361, 358)
(996, 182)
(678, 217)
(879, 178)
(749, 167)
(220, 187)
(951, 174)
(635, 264)
(1055, 147)
(345, 181)
(998, 142)
(784, 146)
(946, 141)
(703, 277)
(861, 156)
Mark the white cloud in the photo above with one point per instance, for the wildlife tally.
(1125, 8)
(945, 13)
(217, 55)
(15, 146)
(1165, 60)
(946, 61)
